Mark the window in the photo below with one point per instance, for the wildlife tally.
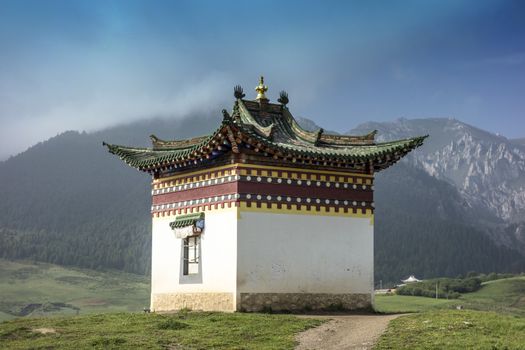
(189, 228)
(191, 255)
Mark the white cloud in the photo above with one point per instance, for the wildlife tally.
(109, 106)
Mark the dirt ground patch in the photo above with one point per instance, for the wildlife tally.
(91, 302)
(45, 330)
(355, 332)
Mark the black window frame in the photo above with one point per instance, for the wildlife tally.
(195, 258)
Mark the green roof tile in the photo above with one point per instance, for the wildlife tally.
(186, 220)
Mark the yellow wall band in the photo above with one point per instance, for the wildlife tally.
(271, 208)
(330, 172)
(244, 169)
(301, 210)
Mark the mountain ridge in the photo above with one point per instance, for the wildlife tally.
(488, 169)
(68, 201)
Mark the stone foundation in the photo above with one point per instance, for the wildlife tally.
(193, 301)
(253, 302)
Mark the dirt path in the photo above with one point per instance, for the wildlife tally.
(345, 332)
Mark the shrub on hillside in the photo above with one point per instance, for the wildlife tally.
(448, 288)
(495, 276)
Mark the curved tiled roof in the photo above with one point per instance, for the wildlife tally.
(269, 127)
(186, 220)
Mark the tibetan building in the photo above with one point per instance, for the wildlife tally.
(262, 213)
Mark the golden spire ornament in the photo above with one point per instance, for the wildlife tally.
(261, 89)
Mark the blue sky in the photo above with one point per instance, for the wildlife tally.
(86, 65)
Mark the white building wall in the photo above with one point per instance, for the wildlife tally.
(218, 256)
(255, 252)
(287, 253)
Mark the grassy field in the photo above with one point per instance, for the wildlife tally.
(492, 318)
(182, 330)
(403, 303)
(37, 289)
(503, 296)
(454, 329)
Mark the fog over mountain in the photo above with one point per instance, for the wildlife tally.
(451, 207)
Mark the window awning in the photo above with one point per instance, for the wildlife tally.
(188, 225)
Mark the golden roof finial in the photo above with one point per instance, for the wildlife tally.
(261, 89)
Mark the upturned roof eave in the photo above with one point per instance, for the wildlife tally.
(303, 144)
(152, 159)
(401, 146)
(162, 157)
(159, 144)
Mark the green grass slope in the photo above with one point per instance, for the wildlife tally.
(153, 331)
(492, 318)
(454, 329)
(38, 289)
(404, 303)
(503, 296)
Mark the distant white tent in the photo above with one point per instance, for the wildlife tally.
(411, 279)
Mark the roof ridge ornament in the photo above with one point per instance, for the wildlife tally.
(225, 115)
(238, 92)
(261, 89)
(283, 98)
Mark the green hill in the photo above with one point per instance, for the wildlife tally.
(67, 201)
(491, 318)
(454, 329)
(503, 296)
(423, 228)
(39, 289)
